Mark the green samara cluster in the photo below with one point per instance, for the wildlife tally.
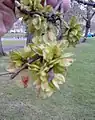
(45, 58)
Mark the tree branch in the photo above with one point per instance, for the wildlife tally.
(51, 17)
(92, 15)
(5, 73)
(86, 3)
(84, 18)
(13, 75)
(24, 66)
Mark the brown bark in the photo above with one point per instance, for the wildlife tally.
(1, 49)
(88, 22)
(29, 38)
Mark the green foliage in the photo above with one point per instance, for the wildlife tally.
(49, 71)
(52, 58)
(72, 32)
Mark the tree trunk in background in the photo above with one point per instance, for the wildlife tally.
(88, 21)
(1, 49)
(86, 30)
(29, 38)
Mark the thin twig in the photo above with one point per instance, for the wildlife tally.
(24, 67)
(84, 18)
(5, 73)
(31, 13)
(92, 15)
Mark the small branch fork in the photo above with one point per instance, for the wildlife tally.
(25, 66)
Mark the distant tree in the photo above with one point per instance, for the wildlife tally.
(75, 10)
(29, 38)
(1, 49)
(89, 16)
(89, 13)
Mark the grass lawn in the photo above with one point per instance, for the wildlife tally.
(13, 43)
(76, 101)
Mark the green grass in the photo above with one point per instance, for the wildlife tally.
(76, 101)
(13, 43)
